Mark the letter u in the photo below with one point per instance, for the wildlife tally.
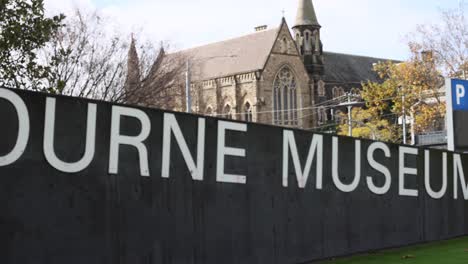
(357, 169)
(49, 131)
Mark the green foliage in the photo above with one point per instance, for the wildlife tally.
(446, 252)
(24, 30)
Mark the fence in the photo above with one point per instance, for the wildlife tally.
(91, 182)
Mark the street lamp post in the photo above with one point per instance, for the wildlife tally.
(350, 105)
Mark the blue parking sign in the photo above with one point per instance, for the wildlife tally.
(457, 114)
(459, 90)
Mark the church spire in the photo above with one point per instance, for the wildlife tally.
(308, 41)
(306, 14)
(132, 81)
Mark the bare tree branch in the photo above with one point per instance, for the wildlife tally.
(87, 60)
(447, 40)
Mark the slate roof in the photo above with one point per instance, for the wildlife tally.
(235, 56)
(349, 69)
(249, 53)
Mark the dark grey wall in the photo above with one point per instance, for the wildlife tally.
(92, 217)
(460, 127)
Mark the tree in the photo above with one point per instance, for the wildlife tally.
(89, 60)
(23, 30)
(437, 50)
(366, 125)
(448, 41)
(417, 82)
(163, 85)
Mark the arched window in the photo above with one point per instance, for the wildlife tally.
(248, 112)
(209, 111)
(355, 91)
(322, 116)
(308, 41)
(342, 91)
(284, 45)
(338, 91)
(227, 112)
(285, 98)
(321, 88)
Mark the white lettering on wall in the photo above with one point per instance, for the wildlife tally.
(379, 167)
(315, 150)
(171, 125)
(357, 167)
(49, 134)
(23, 127)
(459, 175)
(403, 171)
(227, 151)
(460, 93)
(427, 176)
(137, 141)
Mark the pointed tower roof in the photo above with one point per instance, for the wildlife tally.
(132, 59)
(133, 67)
(306, 14)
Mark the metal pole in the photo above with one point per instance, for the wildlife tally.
(188, 95)
(404, 119)
(413, 134)
(350, 117)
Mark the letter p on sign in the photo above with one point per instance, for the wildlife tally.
(460, 89)
(457, 90)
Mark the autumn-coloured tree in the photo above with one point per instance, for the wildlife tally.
(439, 50)
(413, 86)
(367, 125)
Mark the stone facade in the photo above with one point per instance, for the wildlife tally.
(273, 77)
(285, 53)
(251, 94)
(214, 96)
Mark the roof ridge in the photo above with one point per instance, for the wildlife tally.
(224, 41)
(358, 55)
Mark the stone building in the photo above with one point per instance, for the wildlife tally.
(275, 76)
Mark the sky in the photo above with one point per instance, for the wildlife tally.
(377, 28)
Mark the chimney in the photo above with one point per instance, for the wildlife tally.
(261, 28)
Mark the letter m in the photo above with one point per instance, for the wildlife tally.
(315, 150)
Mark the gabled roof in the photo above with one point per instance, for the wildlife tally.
(250, 53)
(226, 58)
(349, 69)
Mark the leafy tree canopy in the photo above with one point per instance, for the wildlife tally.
(415, 87)
(24, 29)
